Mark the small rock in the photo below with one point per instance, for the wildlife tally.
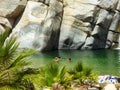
(110, 87)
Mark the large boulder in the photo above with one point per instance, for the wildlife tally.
(39, 26)
(76, 24)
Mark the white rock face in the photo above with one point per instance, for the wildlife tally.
(37, 25)
(30, 22)
(76, 23)
(11, 8)
(62, 24)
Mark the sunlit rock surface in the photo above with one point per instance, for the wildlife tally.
(39, 25)
(62, 24)
(76, 23)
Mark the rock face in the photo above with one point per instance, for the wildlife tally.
(39, 25)
(62, 24)
(76, 23)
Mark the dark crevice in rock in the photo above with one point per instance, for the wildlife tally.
(109, 43)
(17, 19)
(100, 39)
(101, 26)
(96, 36)
(68, 42)
(114, 31)
(60, 25)
(80, 46)
(108, 9)
(118, 10)
(115, 42)
(92, 25)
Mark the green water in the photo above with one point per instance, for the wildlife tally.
(104, 61)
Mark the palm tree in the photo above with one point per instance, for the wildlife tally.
(13, 67)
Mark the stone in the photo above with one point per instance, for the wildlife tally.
(84, 24)
(100, 35)
(117, 85)
(57, 86)
(88, 43)
(118, 6)
(115, 21)
(11, 8)
(108, 4)
(4, 22)
(110, 87)
(76, 24)
(109, 39)
(71, 39)
(39, 26)
(104, 19)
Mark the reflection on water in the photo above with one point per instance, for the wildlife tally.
(105, 61)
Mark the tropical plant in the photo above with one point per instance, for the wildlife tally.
(56, 76)
(13, 66)
(82, 75)
(53, 74)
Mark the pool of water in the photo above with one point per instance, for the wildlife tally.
(104, 61)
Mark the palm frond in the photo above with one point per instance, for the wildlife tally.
(62, 72)
(87, 71)
(79, 67)
(13, 66)
(3, 37)
(52, 69)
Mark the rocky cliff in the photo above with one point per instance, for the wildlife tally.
(62, 24)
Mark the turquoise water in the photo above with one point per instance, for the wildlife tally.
(104, 61)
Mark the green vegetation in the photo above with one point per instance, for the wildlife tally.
(17, 74)
(13, 67)
(82, 75)
(54, 74)
(59, 77)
